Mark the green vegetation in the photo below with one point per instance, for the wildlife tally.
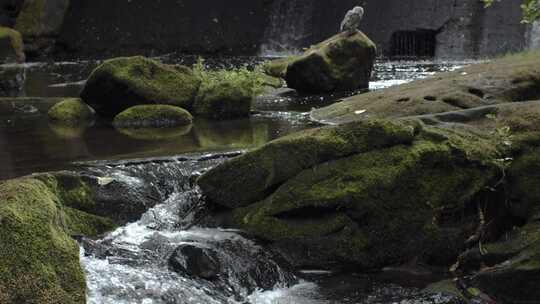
(40, 260)
(249, 177)
(355, 193)
(148, 116)
(226, 93)
(71, 112)
(531, 9)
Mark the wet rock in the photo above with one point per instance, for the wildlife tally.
(121, 83)
(155, 134)
(195, 261)
(153, 116)
(121, 198)
(342, 63)
(11, 46)
(12, 79)
(278, 67)
(328, 205)
(513, 78)
(71, 111)
(250, 177)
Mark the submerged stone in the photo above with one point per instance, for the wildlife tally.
(342, 63)
(71, 111)
(155, 134)
(121, 83)
(153, 116)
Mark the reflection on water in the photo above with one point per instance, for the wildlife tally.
(29, 143)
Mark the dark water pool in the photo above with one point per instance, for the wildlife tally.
(29, 143)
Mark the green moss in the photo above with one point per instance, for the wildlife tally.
(278, 67)
(71, 112)
(147, 116)
(36, 248)
(227, 93)
(340, 63)
(249, 177)
(388, 197)
(120, 83)
(82, 223)
(523, 180)
(11, 45)
(40, 260)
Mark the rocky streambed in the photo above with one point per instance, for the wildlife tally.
(420, 193)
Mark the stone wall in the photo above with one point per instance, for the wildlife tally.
(106, 28)
(462, 28)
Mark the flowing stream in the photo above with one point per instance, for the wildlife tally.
(139, 262)
(150, 259)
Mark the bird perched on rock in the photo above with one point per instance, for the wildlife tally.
(352, 19)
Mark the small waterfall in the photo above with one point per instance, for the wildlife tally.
(534, 35)
(289, 28)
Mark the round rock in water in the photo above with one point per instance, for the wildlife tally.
(70, 111)
(153, 116)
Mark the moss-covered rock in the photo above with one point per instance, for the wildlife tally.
(378, 207)
(39, 260)
(71, 111)
(121, 83)
(278, 67)
(250, 177)
(512, 78)
(343, 62)
(227, 93)
(153, 116)
(11, 46)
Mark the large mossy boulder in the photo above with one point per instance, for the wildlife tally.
(39, 259)
(342, 63)
(250, 177)
(368, 193)
(11, 46)
(71, 111)
(121, 83)
(153, 116)
(509, 79)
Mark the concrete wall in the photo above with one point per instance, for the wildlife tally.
(464, 28)
(105, 28)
